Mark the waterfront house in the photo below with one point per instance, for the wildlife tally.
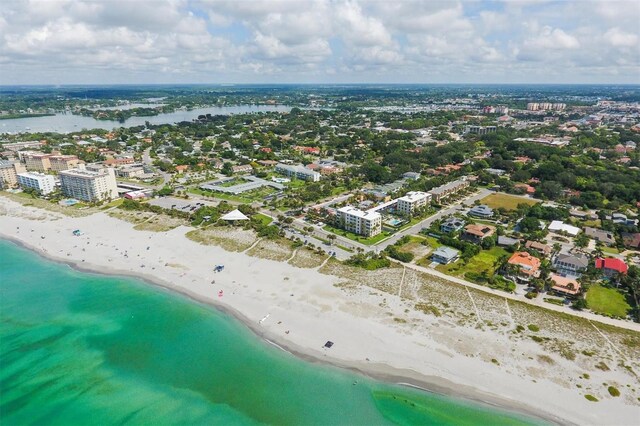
(604, 237)
(570, 265)
(476, 233)
(528, 266)
(445, 255)
(482, 211)
(564, 286)
(611, 266)
(452, 224)
(541, 248)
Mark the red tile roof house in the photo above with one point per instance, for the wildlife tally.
(565, 286)
(611, 266)
(307, 149)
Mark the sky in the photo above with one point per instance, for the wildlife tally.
(319, 41)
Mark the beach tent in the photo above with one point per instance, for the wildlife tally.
(234, 215)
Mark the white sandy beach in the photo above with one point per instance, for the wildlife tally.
(306, 309)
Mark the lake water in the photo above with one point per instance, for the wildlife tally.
(78, 348)
(66, 123)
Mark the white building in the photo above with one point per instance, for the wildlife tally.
(367, 223)
(88, 185)
(299, 172)
(412, 201)
(45, 184)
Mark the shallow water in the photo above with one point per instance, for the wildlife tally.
(78, 348)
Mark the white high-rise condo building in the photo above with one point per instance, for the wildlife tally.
(89, 185)
(367, 223)
(412, 201)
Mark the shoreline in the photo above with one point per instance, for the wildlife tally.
(378, 331)
(380, 372)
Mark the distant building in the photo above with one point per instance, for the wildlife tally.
(452, 224)
(411, 175)
(541, 248)
(604, 237)
(480, 130)
(505, 241)
(130, 171)
(242, 168)
(45, 184)
(559, 226)
(9, 173)
(631, 240)
(37, 161)
(482, 211)
(63, 162)
(496, 172)
(445, 255)
(360, 222)
(413, 201)
(89, 186)
(621, 219)
(299, 172)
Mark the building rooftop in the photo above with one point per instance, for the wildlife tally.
(528, 263)
(480, 230)
(368, 215)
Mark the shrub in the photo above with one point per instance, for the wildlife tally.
(531, 295)
(591, 398)
(613, 391)
(533, 327)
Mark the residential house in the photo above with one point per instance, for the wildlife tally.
(482, 211)
(452, 224)
(445, 255)
(307, 150)
(559, 226)
(611, 266)
(621, 219)
(528, 266)
(570, 265)
(411, 175)
(475, 233)
(541, 248)
(631, 240)
(242, 168)
(605, 237)
(564, 286)
(504, 241)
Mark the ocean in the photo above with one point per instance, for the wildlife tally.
(79, 348)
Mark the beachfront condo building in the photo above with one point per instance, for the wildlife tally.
(367, 223)
(9, 173)
(37, 162)
(44, 184)
(413, 201)
(88, 185)
(63, 162)
(299, 172)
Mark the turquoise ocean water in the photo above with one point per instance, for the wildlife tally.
(79, 349)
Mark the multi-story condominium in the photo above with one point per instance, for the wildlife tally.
(45, 184)
(480, 130)
(367, 223)
(442, 192)
(130, 171)
(37, 161)
(63, 162)
(299, 172)
(17, 146)
(412, 201)
(9, 173)
(89, 186)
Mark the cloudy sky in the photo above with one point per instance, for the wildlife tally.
(319, 41)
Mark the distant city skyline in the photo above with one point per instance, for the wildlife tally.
(319, 42)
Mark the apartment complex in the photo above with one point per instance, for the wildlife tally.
(480, 130)
(442, 192)
(367, 223)
(37, 161)
(9, 173)
(299, 172)
(545, 106)
(412, 201)
(45, 184)
(89, 186)
(59, 163)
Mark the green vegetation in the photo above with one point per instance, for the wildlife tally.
(428, 308)
(533, 327)
(607, 301)
(505, 201)
(359, 238)
(613, 391)
(591, 398)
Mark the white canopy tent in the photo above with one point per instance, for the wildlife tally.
(234, 215)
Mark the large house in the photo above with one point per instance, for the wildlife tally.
(476, 233)
(559, 226)
(528, 266)
(541, 248)
(570, 265)
(631, 240)
(482, 211)
(565, 286)
(611, 266)
(445, 255)
(452, 224)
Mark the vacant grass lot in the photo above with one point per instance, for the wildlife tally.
(607, 301)
(485, 261)
(508, 202)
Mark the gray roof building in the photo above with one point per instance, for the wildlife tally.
(444, 255)
(600, 235)
(482, 211)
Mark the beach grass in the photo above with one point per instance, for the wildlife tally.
(272, 250)
(484, 262)
(505, 201)
(607, 301)
(230, 239)
(307, 258)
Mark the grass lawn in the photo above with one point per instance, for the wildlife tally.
(263, 218)
(483, 261)
(367, 241)
(607, 301)
(221, 196)
(508, 202)
(610, 250)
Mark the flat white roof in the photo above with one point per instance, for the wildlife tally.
(369, 215)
